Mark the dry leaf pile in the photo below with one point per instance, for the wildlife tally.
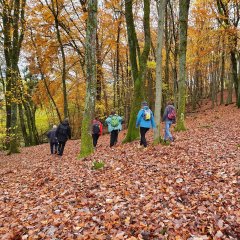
(188, 190)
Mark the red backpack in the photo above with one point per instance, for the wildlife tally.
(171, 114)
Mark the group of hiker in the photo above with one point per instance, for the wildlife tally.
(59, 135)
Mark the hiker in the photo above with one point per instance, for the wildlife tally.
(63, 133)
(114, 123)
(97, 128)
(53, 140)
(145, 120)
(169, 117)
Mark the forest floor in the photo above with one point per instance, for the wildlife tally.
(188, 190)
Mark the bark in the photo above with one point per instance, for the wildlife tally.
(222, 77)
(183, 26)
(64, 87)
(23, 126)
(235, 77)
(99, 72)
(138, 72)
(86, 136)
(55, 9)
(175, 51)
(117, 67)
(230, 90)
(230, 23)
(161, 5)
(13, 33)
(167, 46)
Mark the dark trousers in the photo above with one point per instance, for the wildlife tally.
(143, 132)
(95, 139)
(113, 137)
(53, 147)
(61, 146)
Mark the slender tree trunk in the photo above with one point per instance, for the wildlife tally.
(99, 71)
(222, 77)
(86, 132)
(117, 67)
(230, 89)
(23, 126)
(167, 47)
(64, 87)
(213, 83)
(29, 125)
(161, 5)
(183, 26)
(235, 77)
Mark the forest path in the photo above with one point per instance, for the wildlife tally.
(189, 190)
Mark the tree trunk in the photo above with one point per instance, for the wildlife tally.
(183, 26)
(161, 5)
(86, 132)
(99, 71)
(222, 78)
(13, 32)
(64, 87)
(23, 126)
(138, 73)
(230, 89)
(235, 77)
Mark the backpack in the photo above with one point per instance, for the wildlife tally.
(114, 121)
(147, 114)
(171, 113)
(96, 128)
(63, 130)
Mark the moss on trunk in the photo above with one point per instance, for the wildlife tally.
(183, 26)
(91, 73)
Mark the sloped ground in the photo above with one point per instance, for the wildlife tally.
(189, 190)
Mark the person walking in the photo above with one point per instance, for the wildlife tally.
(53, 140)
(169, 117)
(145, 120)
(114, 123)
(97, 128)
(63, 133)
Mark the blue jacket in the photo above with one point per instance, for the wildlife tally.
(145, 123)
(110, 127)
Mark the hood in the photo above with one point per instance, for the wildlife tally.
(65, 122)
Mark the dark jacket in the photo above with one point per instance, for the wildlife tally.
(166, 111)
(63, 132)
(52, 136)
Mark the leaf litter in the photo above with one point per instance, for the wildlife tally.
(188, 190)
